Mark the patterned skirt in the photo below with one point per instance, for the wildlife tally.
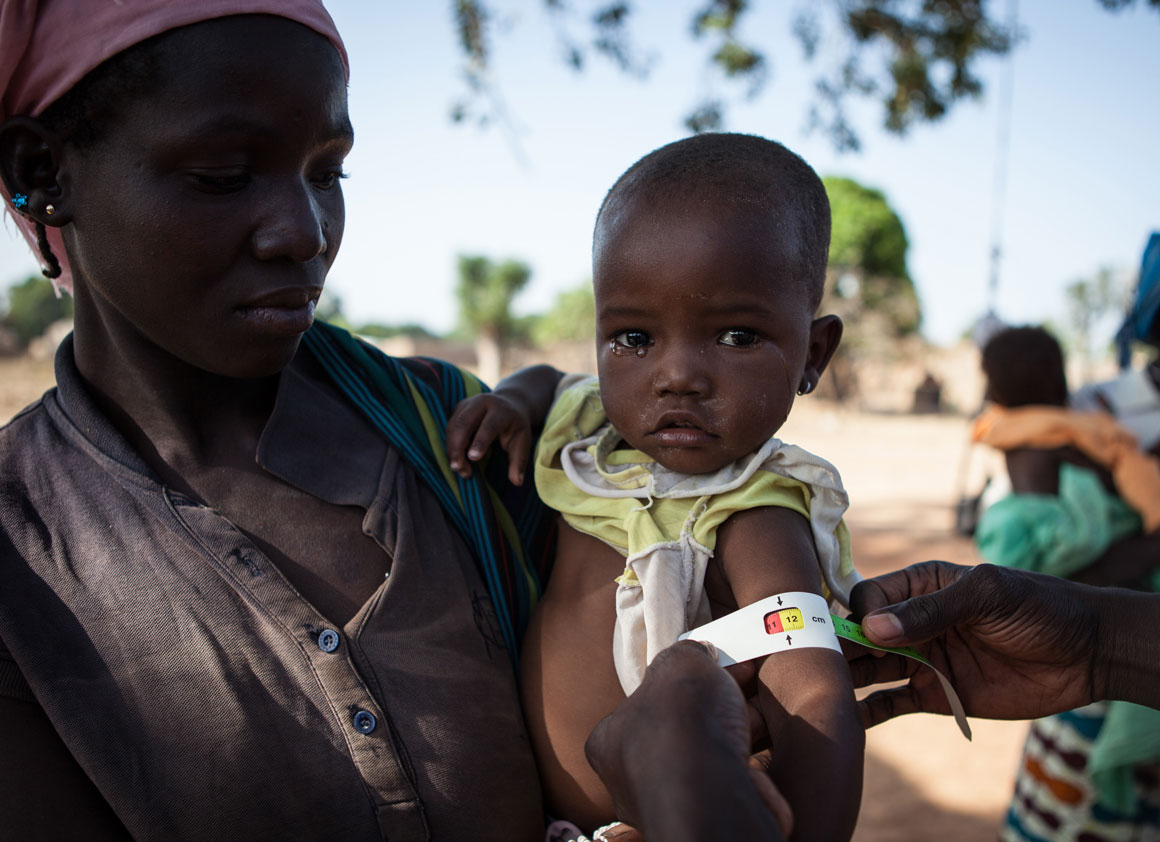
(1055, 800)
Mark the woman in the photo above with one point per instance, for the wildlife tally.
(243, 594)
(231, 609)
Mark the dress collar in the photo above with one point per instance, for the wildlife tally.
(313, 440)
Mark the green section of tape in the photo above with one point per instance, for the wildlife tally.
(853, 632)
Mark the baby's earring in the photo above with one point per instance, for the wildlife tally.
(806, 386)
(19, 201)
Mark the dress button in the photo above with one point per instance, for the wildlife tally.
(364, 722)
(328, 640)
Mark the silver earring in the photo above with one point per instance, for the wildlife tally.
(49, 209)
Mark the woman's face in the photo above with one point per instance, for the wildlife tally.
(204, 220)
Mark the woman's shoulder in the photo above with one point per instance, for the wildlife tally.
(20, 433)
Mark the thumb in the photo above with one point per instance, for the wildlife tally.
(918, 619)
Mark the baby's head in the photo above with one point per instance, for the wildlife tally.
(709, 260)
(1024, 366)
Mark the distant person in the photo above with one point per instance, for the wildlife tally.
(1079, 483)
(677, 502)
(1134, 396)
(927, 395)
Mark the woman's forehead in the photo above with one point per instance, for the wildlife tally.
(242, 50)
(238, 76)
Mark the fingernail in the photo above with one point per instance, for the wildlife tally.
(885, 626)
(611, 831)
(474, 453)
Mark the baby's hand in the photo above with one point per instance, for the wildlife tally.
(481, 420)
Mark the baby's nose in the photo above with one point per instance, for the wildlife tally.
(681, 371)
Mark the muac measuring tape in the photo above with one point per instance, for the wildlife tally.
(799, 620)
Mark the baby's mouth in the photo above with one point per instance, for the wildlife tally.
(681, 429)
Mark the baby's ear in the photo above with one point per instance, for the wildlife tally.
(825, 334)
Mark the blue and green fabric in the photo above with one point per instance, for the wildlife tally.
(409, 400)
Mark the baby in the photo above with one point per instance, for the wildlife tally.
(677, 502)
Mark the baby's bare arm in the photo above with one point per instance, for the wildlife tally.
(805, 697)
(567, 676)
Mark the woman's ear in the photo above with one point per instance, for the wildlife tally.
(825, 334)
(30, 165)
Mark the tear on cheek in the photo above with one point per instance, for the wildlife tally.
(625, 350)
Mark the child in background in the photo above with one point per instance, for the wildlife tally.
(677, 502)
(1079, 483)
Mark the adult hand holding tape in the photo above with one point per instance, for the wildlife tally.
(1017, 645)
(800, 620)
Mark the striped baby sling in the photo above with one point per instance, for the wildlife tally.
(409, 401)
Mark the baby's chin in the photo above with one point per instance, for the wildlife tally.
(687, 460)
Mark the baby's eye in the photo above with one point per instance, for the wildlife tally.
(632, 339)
(738, 337)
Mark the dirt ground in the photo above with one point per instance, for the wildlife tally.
(923, 781)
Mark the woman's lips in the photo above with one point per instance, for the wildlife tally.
(282, 313)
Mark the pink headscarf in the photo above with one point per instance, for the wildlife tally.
(47, 46)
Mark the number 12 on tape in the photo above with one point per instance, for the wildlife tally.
(796, 620)
(788, 619)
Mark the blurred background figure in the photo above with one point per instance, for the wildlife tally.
(1079, 483)
(1134, 396)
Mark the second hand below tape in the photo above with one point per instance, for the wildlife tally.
(799, 620)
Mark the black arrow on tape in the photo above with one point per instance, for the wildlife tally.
(788, 640)
(779, 600)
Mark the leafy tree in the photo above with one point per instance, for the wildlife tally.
(1088, 301)
(916, 57)
(867, 282)
(486, 291)
(572, 317)
(33, 305)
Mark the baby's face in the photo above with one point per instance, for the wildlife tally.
(703, 335)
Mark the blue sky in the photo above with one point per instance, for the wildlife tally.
(1083, 183)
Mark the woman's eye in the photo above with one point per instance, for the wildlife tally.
(330, 178)
(220, 181)
(632, 339)
(738, 337)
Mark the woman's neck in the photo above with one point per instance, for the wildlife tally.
(180, 418)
